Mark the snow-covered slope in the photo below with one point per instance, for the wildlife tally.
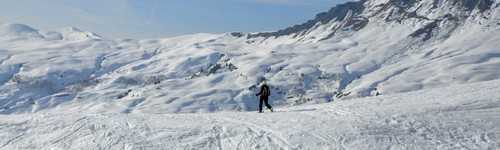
(455, 117)
(393, 46)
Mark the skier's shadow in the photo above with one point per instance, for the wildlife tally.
(303, 110)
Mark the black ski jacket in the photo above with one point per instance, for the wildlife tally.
(264, 91)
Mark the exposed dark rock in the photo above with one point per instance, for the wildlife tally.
(470, 5)
(425, 31)
(237, 34)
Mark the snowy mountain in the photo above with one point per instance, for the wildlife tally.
(393, 46)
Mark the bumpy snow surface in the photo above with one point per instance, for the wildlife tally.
(456, 117)
(435, 62)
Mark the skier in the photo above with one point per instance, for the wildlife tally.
(375, 92)
(264, 94)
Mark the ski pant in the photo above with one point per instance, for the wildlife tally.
(265, 100)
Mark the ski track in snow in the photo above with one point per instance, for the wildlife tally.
(457, 117)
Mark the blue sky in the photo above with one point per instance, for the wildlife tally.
(161, 18)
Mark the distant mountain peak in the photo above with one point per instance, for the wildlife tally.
(73, 33)
(18, 30)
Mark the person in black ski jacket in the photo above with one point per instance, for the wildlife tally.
(264, 94)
